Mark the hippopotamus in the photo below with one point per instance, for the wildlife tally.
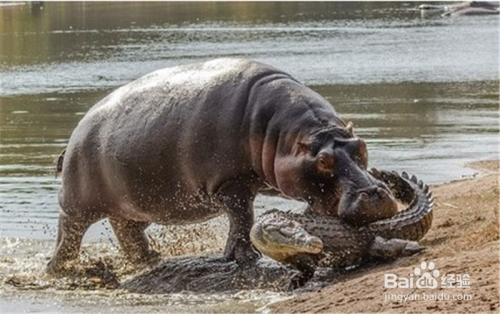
(185, 144)
(462, 9)
(472, 11)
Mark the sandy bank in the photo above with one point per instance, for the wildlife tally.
(464, 239)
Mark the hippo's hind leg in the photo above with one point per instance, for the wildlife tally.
(238, 200)
(133, 241)
(71, 229)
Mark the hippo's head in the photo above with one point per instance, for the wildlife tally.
(328, 169)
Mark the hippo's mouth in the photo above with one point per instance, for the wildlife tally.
(360, 207)
(374, 194)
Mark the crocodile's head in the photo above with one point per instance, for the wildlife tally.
(279, 237)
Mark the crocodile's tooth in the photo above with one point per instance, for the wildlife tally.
(405, 175)
(389, 177)
(426, 189)
(413, 179)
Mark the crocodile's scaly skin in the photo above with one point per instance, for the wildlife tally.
(412, 223)
(344, 245)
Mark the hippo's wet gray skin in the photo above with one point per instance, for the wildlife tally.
(185, 144)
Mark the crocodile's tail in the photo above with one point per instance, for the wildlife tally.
(59, 163)
(413, 222)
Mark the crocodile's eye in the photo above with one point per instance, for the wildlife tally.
(272, 227)
(288, 231)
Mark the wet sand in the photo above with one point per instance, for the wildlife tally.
(464, 239)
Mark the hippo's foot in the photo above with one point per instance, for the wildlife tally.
(243, 255)
(247, 256)
(53, 270)
(100, 272)
(240, 252)
(59, 269)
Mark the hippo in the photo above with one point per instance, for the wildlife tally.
(185, 144)
(462, 9)
(472, 11)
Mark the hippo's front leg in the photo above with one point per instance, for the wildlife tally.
(237, 197)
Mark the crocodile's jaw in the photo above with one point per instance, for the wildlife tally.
(280, 251)
(282, 239)
(280, 244)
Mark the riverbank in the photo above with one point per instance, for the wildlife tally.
(464, 239)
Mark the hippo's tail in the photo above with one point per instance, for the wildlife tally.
(59, 163)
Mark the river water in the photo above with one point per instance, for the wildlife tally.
(422, 91)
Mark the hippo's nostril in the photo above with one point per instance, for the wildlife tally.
(364, 196)
(381, 191)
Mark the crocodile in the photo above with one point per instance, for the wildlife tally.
(307, 240)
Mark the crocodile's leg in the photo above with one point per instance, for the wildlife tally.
(393, 248)
(305, 264)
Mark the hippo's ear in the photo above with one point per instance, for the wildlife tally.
(349, 127)
(325, 161)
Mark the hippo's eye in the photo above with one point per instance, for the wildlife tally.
(325, 162)
(315, 148)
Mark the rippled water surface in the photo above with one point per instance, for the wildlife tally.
(423, 92)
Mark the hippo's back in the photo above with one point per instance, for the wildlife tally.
(191, 110)
(182, 92)
(167, 131)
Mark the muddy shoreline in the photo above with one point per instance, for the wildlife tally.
(463, 240)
